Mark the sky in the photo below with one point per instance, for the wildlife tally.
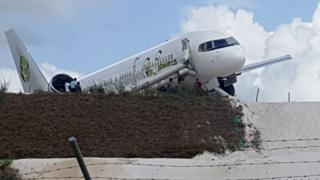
(81, 36)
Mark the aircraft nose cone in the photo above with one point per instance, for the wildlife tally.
(233, 59)
(239, 57)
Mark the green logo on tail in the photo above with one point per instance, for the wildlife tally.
(24, 67)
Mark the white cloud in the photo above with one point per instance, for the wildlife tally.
(50, 70)
(237, 24)
(16, 13)
(300, 39)
(10, 75)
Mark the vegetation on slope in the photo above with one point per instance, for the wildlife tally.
(108, 125)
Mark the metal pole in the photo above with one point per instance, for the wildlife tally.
(77, 152)
(257, 96)
(289, 97)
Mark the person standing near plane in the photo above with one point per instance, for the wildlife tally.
(67, 87)
(198, 87)
(198, 84)
(180, 79)
(171, 86)
(79, 89)
(73, 85)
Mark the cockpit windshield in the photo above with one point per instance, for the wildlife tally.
(217, 44)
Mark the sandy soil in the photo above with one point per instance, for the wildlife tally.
(38, 126)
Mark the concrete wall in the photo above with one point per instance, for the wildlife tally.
(292, 123)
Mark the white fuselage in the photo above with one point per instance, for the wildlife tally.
(213, 57)
(213, 54)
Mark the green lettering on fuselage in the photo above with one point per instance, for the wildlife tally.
(166, 62)
(150, 68)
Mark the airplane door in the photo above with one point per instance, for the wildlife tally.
(137, 70)
(186, 49)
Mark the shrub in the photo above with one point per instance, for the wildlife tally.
(40, 92)
(256, 142)
(96, 89)
(120, 89)
(6, 172)
(4, 85)
(5, 163)
(3, 89)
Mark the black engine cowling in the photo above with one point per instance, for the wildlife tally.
(226, 84)
(229, 89)
(57, 83)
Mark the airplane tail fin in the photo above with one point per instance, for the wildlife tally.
(30, 75)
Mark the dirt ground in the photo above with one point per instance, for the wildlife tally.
(39, 125)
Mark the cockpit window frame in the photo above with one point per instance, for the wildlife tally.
(214, 44)
(202, 47)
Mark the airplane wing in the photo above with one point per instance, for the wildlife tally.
(261, 64)
(180, 69)
(145, 83)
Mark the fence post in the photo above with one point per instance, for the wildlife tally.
(77, 152)
(289, 97)
(257, 96)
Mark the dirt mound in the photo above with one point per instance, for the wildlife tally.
(38, 126)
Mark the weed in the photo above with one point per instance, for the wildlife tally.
(5, 163)
(40, 92)
(4, 85)
(256, 142)
(6, 172)
(3, 88)
(96, 89)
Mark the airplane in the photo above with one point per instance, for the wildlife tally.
(211, 56)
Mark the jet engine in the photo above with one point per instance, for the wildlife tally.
(57, 83)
